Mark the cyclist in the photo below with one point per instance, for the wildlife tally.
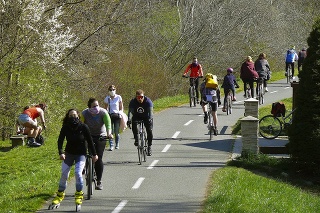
(195, 72)
(291, 57)
(248, 74)
(262, 67)
(141, 109)
(301, 56)
(99, 123)
(229, 83)
(78, 137)
(28, 119)
(215, 94)
(114, 105)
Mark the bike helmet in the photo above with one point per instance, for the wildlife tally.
(230, 70)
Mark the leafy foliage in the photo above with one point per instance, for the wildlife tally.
(305, 131)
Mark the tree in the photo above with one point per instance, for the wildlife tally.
(304, 133)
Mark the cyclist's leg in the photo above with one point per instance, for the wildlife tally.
(226, 92)
(251, 85)
(233, 93)
(149, 126)
(287, 67)
(205, 110)
(134, 127)
(292, 69)
(100, 146)
(245, 87)
(214, 106)
(80, 161)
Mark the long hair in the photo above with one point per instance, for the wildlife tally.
(65, 119)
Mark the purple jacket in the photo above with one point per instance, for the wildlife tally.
(248, 71)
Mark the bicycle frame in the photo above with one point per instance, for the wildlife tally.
(192, 92)
(142, 146)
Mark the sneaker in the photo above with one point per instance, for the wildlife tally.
(117, 146)
(205, 119)
(33, 143)
(266, 89)
(111, 148)
(234, 98)
(286, 74)
(149, 151)
(136, 143)
(224, 109)
(244, 95)
(99, 186)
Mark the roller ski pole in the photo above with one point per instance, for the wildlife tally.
(78, 196)
(57, 200)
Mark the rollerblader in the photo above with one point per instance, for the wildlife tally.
(77, 135)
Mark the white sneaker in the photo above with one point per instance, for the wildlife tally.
(266, 89)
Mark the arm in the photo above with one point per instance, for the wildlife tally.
(107, 123)
(60, 143)
(41, 113)
(187, 70)
(120, 106)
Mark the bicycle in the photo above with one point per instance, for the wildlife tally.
(260, 91)
(142, 146)
(271, 126)
(192, 91)
(228, 102)
(289, 73)
(212, 129)
(248, 91)
(90, 176)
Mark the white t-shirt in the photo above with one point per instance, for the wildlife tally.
(113, 104)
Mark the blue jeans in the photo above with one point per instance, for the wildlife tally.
(79, 161)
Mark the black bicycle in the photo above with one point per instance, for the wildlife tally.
(192, 91)
(142, 146)
(90, 176)
(271, 126)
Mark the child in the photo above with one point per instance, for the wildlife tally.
(229, 82)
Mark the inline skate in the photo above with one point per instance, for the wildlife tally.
(57, 200)
(78, 196)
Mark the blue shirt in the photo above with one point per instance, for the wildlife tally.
(140, 111)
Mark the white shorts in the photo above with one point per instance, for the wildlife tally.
(24, 118)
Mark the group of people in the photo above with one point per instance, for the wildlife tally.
(292, 56)
(250, 71)
(88, 132)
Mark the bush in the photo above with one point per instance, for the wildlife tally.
(304, 133)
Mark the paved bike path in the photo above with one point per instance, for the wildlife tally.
(183, 159)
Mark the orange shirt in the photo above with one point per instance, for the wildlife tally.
(196, 71)
(32, 112)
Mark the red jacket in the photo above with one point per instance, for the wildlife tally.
(196, 70)
(247, 71)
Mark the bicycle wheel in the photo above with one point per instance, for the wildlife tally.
(229, 104)
(194, 96)
(145, 147)
(89, 179)
(140, 150)
(270, 127)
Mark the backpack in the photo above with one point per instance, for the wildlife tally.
(40, 139)
(211, 81)
(278, 109)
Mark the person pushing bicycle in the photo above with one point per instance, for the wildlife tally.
(195, 72)
(141, 109)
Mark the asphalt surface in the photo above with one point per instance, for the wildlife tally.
(176, 177)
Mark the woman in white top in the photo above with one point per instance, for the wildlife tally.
(114, 105)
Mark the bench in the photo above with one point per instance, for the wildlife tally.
(18, 140)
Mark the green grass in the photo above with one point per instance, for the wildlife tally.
(239, 190)
(29, 177)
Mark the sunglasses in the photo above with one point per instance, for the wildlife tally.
(112, 89)
(139, 96)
